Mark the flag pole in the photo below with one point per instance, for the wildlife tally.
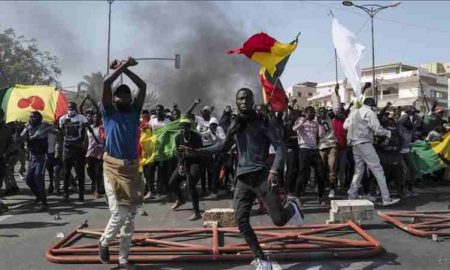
(330, 13)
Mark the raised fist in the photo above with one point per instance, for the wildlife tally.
(115, 64)
(131, 61)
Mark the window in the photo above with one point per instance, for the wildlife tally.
(310, 94)
(386, 92)
(299, 94)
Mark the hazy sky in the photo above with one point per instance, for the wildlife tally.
(413, 33)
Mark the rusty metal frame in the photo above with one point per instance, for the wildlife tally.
(420, 223)
(164, 245)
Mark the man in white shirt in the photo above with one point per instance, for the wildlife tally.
(203, 123)
(162, 182)
(362, 124)
(216, 135)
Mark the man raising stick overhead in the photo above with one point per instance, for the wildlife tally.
(123, 186)
(253, 136)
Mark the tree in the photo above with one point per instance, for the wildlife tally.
(93, 84)
(21, 62)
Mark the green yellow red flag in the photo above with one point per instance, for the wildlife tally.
(20, 100)
(158, 145)
(265, 50)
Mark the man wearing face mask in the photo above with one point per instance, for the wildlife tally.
(253, 136)
(73, 126)
(36, 136)
(122, 180)
(361, 125)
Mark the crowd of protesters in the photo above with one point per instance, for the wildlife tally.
(344, 146)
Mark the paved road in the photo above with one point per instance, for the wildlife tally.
(25, 234)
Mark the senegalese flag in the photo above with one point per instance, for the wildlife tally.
(431, 157)
(158, 145)
(272, 56)
(20, 100)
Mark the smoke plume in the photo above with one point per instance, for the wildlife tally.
(201, 33)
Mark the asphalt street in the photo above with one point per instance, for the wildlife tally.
(25, 233)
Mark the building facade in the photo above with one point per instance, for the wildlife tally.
(397, 83)
(300, 94)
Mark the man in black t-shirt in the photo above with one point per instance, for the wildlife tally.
(188, 167)
(35, 135)
(74, 126)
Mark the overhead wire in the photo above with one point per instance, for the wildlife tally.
(377, 17)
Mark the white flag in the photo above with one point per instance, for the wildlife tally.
(349, 53)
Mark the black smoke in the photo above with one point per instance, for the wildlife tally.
(201, 33)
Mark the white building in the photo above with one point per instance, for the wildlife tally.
(397, 83)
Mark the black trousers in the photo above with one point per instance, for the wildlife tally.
(392, 166)
(162, 184)
(77, 161)
(95, 172)
(308, 158)
(149, 174)
(207, 172)
(291, 169)
(216, 169)
(192, 176)
(248, 187)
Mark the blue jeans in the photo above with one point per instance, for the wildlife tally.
(36, 175)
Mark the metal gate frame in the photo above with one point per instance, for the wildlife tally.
(281, 243)
(420, 223)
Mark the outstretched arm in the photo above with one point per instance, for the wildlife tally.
(107, 83)
(140, 98)
(80, 108)
(196, 102)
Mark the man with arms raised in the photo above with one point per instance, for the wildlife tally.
(122, 181)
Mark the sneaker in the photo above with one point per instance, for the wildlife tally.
(413, 193)
(195, 216)
(390, 201)
(103, 253)
(149, 196)
(126, 266)
(369, 197)
(297, 218)
(44, 206)
(405, 193)
(66, 198)
(177, 204)
(262, 264)
(332, 193)
(212, 196)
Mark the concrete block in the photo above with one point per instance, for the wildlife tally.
(351, 205)
(355, 210)
(211, 224)
(224, 217)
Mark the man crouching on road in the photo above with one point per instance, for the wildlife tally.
(253, 136)
(123, 185)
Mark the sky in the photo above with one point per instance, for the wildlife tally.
(414, 33)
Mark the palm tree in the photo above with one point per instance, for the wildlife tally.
(93, 84)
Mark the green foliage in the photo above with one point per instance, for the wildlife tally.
(92, 85)
(21, 62)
